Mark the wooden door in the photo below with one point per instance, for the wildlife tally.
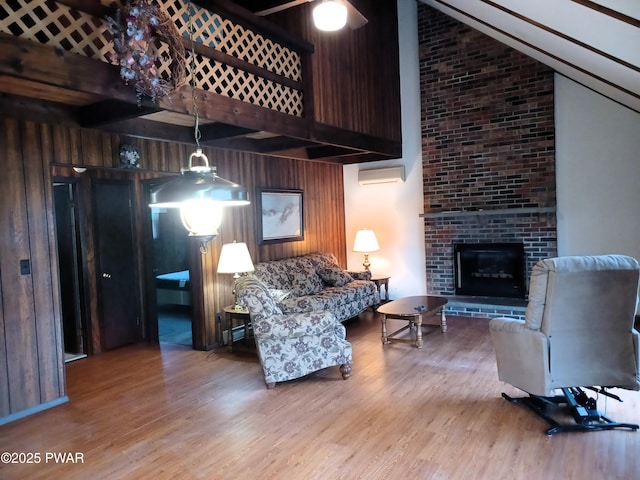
(117, 281)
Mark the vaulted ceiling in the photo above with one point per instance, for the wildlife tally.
(596, 43)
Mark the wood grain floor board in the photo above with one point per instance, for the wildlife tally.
(170, 412)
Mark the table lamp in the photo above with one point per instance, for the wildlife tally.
(366, 243)
(235, 258)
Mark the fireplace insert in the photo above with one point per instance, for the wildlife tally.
(490, 269)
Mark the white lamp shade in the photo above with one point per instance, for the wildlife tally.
(235, 258)
(366, 241)
(329, 16)
(201, 218)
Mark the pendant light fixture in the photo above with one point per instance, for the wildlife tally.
(199, 192)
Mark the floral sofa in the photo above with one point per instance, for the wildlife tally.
(316, 282)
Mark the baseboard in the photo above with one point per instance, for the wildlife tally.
(30, 411)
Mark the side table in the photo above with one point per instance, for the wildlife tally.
(232, 314)
(380, 281)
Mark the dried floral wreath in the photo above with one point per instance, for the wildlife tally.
(137, 28)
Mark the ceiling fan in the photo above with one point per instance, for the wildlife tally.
(327, 14)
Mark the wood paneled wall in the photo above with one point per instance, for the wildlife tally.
(31, 350)
(31, 356)
(356, 77)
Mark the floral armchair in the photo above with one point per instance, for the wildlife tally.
(296, 344)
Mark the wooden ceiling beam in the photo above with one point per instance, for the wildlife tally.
(29, 109)
(151, 130)
(340, 137)
(112, 111)
(264, 146)
(56, 67)
(219, 131)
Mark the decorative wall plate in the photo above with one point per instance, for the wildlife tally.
(129, 156)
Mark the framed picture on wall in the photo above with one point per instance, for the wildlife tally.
(280, 215)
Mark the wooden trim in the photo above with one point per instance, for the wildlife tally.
(563, 36)
(609, 12)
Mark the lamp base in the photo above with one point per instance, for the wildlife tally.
(366, 263)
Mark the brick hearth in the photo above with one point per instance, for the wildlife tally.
(488, 143)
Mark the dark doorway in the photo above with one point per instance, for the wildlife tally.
(490, 269)
(117, 263)
(70, 270)
(168, 280)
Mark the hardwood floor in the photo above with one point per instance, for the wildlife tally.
(168, 412)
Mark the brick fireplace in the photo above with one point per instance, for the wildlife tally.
(488, 143)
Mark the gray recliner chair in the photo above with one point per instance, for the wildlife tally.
(577, 335)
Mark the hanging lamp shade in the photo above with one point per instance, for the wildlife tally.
(201, 184)
(201, 187)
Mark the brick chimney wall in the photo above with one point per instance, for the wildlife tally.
(488, 149)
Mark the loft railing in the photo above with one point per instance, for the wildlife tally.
(231, 59)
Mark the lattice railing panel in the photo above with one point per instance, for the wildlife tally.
(212, 30)
(231, 82)
(50, 23)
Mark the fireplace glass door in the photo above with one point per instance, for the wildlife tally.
(490, 269)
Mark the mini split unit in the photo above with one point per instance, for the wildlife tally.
(381, 175)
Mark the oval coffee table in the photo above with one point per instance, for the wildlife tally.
(413, 310)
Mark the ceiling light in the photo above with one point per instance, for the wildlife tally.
(330, 15)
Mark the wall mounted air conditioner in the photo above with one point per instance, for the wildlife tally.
(381, 175)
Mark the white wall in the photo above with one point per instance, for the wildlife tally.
(391, 209)
(597, 173)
